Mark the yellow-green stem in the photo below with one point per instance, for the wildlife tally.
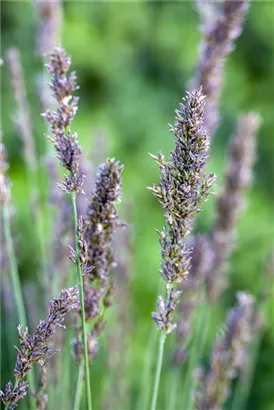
(82, 303)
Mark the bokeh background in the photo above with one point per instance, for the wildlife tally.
(134, 61)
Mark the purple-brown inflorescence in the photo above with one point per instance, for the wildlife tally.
(228, 356)
(212, 252)
(66, 144)
(222, 25)
(102, 218)
(13, 394)
(35, 348)
(231, 201)
(181, 192)
(96, 244)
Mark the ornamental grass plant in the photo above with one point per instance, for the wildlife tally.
(87, 322)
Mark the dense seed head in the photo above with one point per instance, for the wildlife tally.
(68, 150)
(183, 188)
(35, 348)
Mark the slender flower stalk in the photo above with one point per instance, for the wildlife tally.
(69, 153)
(183, 188)
(228, 355)
(221, 25)
(158, 370)
(15, 279)
(82, 301)
(35, 348)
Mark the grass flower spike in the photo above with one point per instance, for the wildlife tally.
(66, 144)
(183, 188)
(35, 348)
(69, 154)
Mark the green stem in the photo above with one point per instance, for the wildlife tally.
(82, 302)
(158, 370)
(17, 290)
(78, 390)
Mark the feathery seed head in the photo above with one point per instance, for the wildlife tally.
(66, 143)
(183, 188)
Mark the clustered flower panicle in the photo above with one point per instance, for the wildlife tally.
(13, 394)
(228, 355)
(181, 192)
(222, 25)
(214, 252)
(66, 144)
(35, 348)
(95, 244)
(102, 218)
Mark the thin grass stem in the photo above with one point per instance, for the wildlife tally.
(158, 370)
(82, 303)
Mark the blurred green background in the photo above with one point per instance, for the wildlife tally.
(133, 61)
